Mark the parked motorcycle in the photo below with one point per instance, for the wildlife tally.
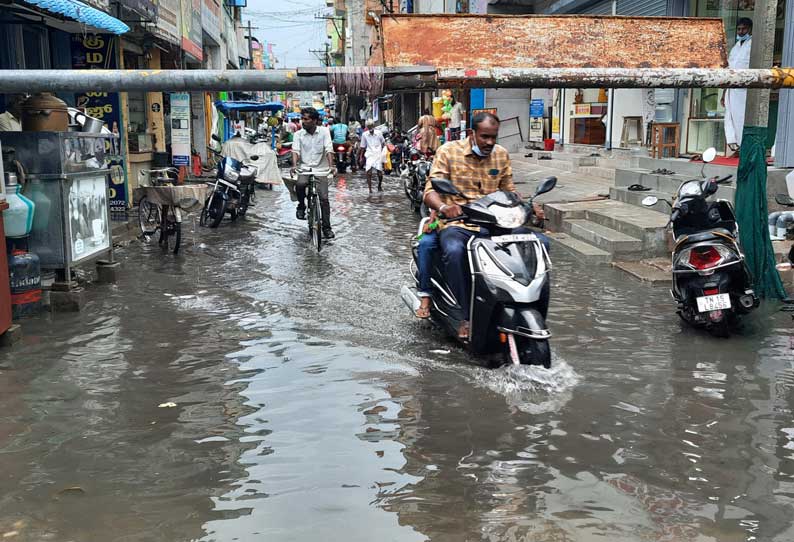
(711, 283)
(510, 281)
(232, 192)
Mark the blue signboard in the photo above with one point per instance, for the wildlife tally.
(98, 52)
(536, 108)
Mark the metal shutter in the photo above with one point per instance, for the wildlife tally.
(648, 8)
(604, 7)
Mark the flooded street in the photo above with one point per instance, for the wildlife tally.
(251, 389)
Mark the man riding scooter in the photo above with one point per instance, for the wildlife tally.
(476, 166)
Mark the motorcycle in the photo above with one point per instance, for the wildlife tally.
(510, 281)
(232, 192)
(712, 286)
(413, 173)
(342, 153)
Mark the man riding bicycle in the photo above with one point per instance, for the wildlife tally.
(310, 146)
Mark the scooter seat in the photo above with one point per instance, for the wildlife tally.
(715, 233)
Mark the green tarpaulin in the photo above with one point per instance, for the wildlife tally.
(752, 214)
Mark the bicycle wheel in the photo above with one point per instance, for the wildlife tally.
(316, 223)
(148, 216)
(171, 232)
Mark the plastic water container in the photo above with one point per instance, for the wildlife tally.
(18, 218)
(24, 272)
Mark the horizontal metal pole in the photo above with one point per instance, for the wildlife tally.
(395, 79)
(194, 80)
(616, 78)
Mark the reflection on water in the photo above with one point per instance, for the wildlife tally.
(311, 405)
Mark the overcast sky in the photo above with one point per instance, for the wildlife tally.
(291, 26)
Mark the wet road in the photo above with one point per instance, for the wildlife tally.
(309, 405)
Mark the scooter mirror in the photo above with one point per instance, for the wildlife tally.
(443, 186)
(254, 157)
(216, 138)
(546, 185)
(650, 201)
(709, 154)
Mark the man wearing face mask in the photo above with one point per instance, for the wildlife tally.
(734, 99)
(477, 166)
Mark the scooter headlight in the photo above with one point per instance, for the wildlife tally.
(690, 188)
(509, 217)
(490, 266)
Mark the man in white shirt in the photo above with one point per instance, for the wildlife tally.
(455, 117)
(372, 145)
(734, 99)
(312, 148)
(9, 121)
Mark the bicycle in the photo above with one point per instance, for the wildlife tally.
(314, 209)
(160, 213)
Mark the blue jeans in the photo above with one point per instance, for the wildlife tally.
(456, 263)
(427, 245)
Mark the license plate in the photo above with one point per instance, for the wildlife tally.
(514, 238)
(714, 302)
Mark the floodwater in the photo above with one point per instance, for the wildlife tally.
(251, 389)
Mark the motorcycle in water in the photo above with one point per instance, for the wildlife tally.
(510, 281)
(711, 283)
(414, 174)
(232, 192)
(342, 156)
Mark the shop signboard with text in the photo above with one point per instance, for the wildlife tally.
(191, 28)
(180, 128)
(169, 21)
(211, 19)
(98, 52)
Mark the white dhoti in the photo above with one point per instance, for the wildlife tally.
(374, 159)
(735, 100)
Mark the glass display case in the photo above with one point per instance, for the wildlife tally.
(67, 177)
(706, 126)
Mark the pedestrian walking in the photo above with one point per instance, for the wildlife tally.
(372, 147)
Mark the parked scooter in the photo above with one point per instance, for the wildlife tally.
(510, 281)
(786, 201)
(232, 192)
(711, 283)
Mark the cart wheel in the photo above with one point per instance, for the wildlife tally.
(148, 216)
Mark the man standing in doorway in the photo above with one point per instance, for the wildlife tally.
(372, 145)
(734, 99)
(455, 117)
(10, 120)
(311, 147)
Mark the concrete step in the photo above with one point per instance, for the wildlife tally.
(584, 252)
(684, 167)
(635, 198)
(617, 163)
(564, 165)
(597, 171)
(667, 184)
(603, 237)
(646, 271)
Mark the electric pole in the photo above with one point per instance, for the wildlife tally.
(761, 54)
(251, 45)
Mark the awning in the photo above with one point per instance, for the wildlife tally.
(245, 107)
(83, 13)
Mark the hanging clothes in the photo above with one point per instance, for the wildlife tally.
(735, 98)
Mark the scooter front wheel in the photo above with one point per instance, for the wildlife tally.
(530, 352)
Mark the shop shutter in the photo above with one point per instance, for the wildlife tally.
(604, 7)
(646, 8)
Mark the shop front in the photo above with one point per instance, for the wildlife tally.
(705, 119)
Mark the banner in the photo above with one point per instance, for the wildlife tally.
(180, 128)
(169, 21)
(191, 28)
(211, 19)
(98, 52)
